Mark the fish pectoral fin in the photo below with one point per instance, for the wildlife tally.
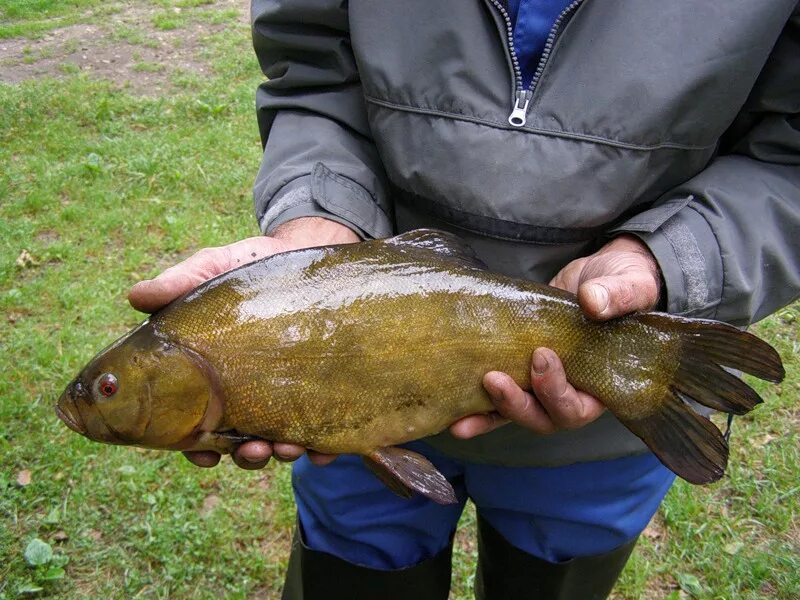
(234, 437)
(403, 471)
(224, 442)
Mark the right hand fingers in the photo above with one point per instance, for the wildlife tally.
(291, 452)
(253, 455)
(566, 407)
(256, 455)
(203, 459)
(151, 294)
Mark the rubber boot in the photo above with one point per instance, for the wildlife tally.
(507, 573)
(314, 575)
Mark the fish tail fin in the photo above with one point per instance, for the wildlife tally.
(687, 443)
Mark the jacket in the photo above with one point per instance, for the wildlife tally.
(677, 122)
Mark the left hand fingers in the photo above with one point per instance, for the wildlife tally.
(566, 407)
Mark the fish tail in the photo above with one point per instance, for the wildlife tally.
(686, 442)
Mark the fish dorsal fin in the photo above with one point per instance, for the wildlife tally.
(448, 245)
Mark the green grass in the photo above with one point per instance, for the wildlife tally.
(29, 10)
(32, 18)
(102, 188)
(148, 67)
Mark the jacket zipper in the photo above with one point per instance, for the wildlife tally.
(522, 97)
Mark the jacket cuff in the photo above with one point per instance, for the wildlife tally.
(326, 194)
(687, 253)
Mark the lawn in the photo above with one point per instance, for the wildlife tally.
(111, 171)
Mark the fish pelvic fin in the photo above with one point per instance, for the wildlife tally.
(405, 472)
(388, 478)
(687, 443)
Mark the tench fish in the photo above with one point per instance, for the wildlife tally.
(360, 347)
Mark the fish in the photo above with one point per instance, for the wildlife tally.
(360, 348)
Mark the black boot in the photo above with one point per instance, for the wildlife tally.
(507, 573)
(316, 575)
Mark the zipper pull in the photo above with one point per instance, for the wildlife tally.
(518, 117)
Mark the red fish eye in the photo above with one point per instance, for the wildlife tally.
(107, 385)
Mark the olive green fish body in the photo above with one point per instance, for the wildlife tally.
(361, 347)
(348, 349)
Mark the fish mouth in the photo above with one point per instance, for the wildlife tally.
(68, 413)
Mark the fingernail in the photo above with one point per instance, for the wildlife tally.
(540, 363)
(600, 296)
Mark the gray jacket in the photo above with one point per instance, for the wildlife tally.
(677, 121)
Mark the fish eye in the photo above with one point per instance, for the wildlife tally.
(106, 385)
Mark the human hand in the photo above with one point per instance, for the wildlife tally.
(152, 294)
(620, 278)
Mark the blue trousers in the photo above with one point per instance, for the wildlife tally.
(552, 513)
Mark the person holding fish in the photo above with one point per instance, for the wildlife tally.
(641, 155)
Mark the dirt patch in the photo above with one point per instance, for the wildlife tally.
(47, 236)
(126, 47)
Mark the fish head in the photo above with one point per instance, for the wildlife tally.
(142, 390)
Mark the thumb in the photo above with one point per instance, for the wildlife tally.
(613, 296)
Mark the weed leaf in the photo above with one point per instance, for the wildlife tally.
(38, 553)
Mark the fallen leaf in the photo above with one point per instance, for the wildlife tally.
(24, 478)
(60, 536)
(654, 529)
(93, 534)
(732, 547)
(210, 502)
(652, 532)
(25, 260)
(690, 584)
(764, 440)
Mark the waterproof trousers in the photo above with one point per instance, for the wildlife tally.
(561, 533)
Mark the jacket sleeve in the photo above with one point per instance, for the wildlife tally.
(728, 240)
(319, 157)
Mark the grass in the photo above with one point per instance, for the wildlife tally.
(32, 18)
(102, 188)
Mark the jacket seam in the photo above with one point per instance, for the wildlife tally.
(549, 132)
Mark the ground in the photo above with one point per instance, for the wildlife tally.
(127, 141)
(139, 47)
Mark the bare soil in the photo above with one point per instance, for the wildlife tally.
(124, 48)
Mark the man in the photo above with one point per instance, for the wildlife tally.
(634, 153)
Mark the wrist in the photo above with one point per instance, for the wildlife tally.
(305, 232)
